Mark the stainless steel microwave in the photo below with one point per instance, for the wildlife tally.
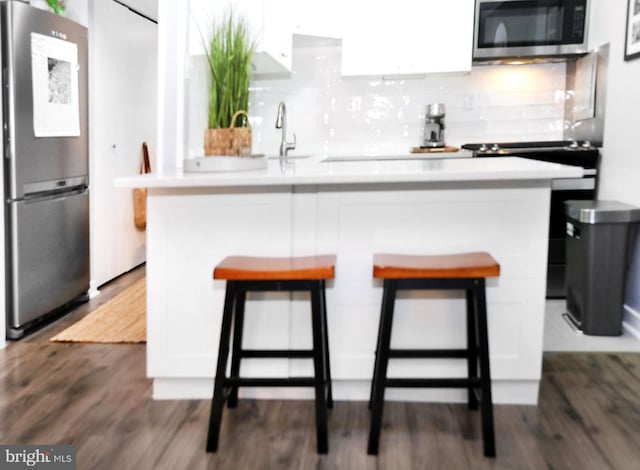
(511, 29)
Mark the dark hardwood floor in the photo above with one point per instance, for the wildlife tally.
(97, 398)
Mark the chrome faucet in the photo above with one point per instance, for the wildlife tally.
(281, 123)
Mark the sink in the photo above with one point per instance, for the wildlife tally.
(412, 156)
(224, 163)
(288, 157)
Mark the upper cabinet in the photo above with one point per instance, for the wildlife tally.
(318, 18)
(402, 37)
(275, 37)
(405, 37)
(269, 20)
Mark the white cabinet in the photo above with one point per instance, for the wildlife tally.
(407, 37)
(318, 18)
(184, 305)
(275, 40)
(269, 21)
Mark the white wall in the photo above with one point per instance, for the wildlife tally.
(335, 115)
(123, 81)
(78, 11)
(149, 8)
(620, 173)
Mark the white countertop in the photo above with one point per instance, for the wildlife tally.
(313, 170)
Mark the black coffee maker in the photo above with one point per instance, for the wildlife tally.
(434, 126)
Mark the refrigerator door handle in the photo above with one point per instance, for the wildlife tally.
(51, 195)
(62, 184)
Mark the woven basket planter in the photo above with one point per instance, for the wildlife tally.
(234, 141)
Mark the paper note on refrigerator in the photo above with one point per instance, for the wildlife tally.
(56, 109)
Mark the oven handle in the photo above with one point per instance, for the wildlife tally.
(573, 183)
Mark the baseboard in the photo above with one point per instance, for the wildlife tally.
(93, 289)
(505, 392)
(631, 321)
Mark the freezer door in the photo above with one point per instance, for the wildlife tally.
(34, 160)
(49, 254)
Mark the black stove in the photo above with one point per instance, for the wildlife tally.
(567, 152)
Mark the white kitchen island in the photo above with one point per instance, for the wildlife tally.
(352, 209)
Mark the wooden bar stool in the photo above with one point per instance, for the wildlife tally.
(250, 274)
(466, 271)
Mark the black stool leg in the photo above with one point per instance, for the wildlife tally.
(485, 373)
(319, 368)
(377, 356)
(472, 348)
(217, 403)
(238, 326)
(325, 333)
(379, 380)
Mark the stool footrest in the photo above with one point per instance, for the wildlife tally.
(428, 353)
(277, 286)
(271, 382)
(276, 353)
(432, 383)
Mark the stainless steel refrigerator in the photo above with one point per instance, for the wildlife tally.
(44, 97)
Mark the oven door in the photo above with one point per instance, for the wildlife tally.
(517, 28)
(580, 189)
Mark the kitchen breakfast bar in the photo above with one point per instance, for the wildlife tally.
(351, 208)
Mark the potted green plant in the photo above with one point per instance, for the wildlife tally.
(229, 53)
(58, 6)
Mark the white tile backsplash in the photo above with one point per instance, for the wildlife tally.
(345, 116)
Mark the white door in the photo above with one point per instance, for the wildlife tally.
(123, 82)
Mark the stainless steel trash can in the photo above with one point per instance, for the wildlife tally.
(598, 256)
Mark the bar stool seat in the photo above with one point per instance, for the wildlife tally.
(247, 268)
(259, 274)
(459, 265)
(465, 271)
